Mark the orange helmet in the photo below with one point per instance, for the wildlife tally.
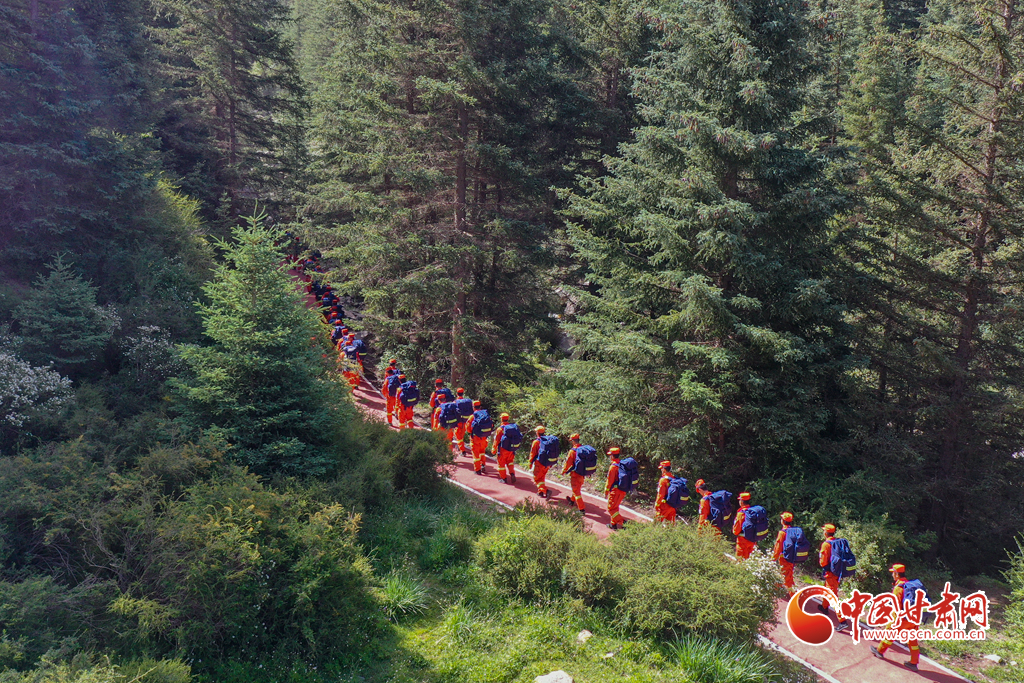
(898, 568)
(665, 464)
(745, 496)
(787, 517)
(438, 381)
(539, 429)
(574, 437)
(829, 529)
(460, 391)
(615, 451)
(476, 404)
(505, 417)
(401, 376)
(700, 485)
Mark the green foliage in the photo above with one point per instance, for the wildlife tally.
(1015, 609)
(60, 323)
(707, 660)
(709, 330)
(677, 579)
(100, 670)
(260, 385)
(401, 595)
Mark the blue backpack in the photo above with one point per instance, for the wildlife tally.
(755, 523)
(410, 394)
(482, 423)
(795, 547)
(449, 416)
(586, 461)
(360, 346)
(629, 474)
(841, 562)
(910, 591)
(721, 508)
(393, 385)
(444, 391)
(351, 352)
(678, 493)
(549, 450)
(511, 437)
(464, 406)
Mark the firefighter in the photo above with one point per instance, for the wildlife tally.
(831, 579)
(440, 390)
(480, 427)
(743, 546)
(443, 419)
(785, 566)
(507, 440)
(392, 385)
(899, 578)
(612, 492)
(543, 454)
(408, 397)
(579, 464)
(662, 510)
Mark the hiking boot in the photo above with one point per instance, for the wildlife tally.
(842, 626)
(512, 478)
(875, 652)
(912, 667)
(480, 472)
(612, 526)
(483, 469)
(542, 494)
(502, 480)
(568, 499)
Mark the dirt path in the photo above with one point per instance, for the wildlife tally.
(839, 661)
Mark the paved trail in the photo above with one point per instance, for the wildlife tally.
(839, 661)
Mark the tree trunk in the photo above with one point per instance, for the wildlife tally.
(458, 350)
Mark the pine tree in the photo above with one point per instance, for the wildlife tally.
(260, 384)
(235, 105)
(440, 128)
(937, 270)
(708, 324)
(60, 322)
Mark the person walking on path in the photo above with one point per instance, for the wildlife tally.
(408, 397)
(791, 548)
(580, 464)
(543, 454)
(465, 407)
(480, 427)
(899, 589)
(440, 390)
(749, 527)
(673, 493)
(507, 440)
(621, 478)
(835, 559)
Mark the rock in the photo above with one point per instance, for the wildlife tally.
(1013, 663)
(554, 677)
(583, 636)
(607, 655)
(994, 658)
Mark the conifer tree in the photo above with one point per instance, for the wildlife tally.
(708, 324)
(440, 128)
(60, 322)
(937, 253)
(260, 384)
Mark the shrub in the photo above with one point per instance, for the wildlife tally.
(678, 579)
(527, 556)
(1015, 609)
(876, 544)
(402, 595)
(708, 660)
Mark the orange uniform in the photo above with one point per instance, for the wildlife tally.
(575, 480)
(614, 493)
(913, 645)
(743, 546)
(540, 472)
(435, 424)
(703, 512)
(662, 510)
(479, 444)
(506, 458)
(390, 400)
(831, 580)
(785, 565)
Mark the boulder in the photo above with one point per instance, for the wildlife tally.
(554, 677)
(583, 636)
(994, 658)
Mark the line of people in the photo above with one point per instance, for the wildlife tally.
(458, 416)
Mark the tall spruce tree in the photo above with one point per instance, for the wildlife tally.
(937, 253)
(439, 129)
(234, 105)
(261, 384)
(708, 329)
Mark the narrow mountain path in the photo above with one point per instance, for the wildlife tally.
(839, 661)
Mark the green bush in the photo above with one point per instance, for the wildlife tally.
(677, 579)
(85, 669)
(1015, 608)
(876, 544)
(527, 557)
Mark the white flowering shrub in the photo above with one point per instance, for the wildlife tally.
(150, 354)
(27, 391)
(767, 582)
